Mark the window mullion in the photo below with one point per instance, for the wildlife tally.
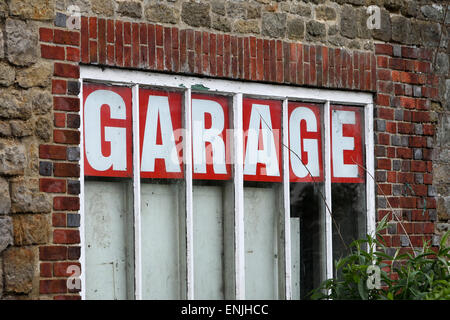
(238, 157)
(328, 218)
(187, 152)
(286, 204)
(137, 195)
(370, 165)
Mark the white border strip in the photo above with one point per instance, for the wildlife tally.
(248, 88)
(187, 151)
(82, 212)
(137, 195)
(328, 219)
(239, 235)
(286, 201)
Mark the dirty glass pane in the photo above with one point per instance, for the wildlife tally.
(261, 216)
(308, 246)
(209, 240)
(162, 231)
(348, 186)
(349, 214)
(109, 240)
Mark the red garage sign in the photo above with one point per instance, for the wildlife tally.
(108, 137)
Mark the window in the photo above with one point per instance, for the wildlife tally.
(211, 189)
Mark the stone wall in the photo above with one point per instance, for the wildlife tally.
(39, 138)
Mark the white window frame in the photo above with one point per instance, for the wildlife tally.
(237, 89)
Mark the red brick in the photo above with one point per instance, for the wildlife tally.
(52, 253)
(59, 219)
(62, 169)
(52, 185)
(66, 70)
(405, 128)
(84, 40)
(45, 270)
(110, 31)
(396, 76)
(417, 142)
(391, 127)
(397, 64)
(404, 153)
(135, 45)
(52, 52)
(385, 87)
(65, 236)
(385, 49)
(66, 37)
(386, 189)
(409, 103)
(384, 164)
(52, 152)
(66, 136)
(93, 48)
(384, 74)
(46, 35)
(73, 54)
(60, 268)
(66, 203)
(59, 86)
(390, 152)
(428, 129)
(422, 66)
(102, 41)
(59, 120)
(421, 116)
(119, 43)
(382, 62)
(383, 100)
(418, 166)
(386, 113)
(420, 189)
(52, 286)
(93, 28)
(66, 104)
(408, 52)
(405, 177)
(383, 138)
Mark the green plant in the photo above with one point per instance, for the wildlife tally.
(422, 275)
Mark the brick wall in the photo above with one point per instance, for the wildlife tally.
(302, 44)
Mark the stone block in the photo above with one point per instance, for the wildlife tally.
(21, 42)
(12, 158)
(31, 229)
(19, 264)
(25, 197)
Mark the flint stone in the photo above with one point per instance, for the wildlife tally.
(6, 233)
(15, 104)
(21, 42)
(12, 158)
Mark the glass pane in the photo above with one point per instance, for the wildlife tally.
(349, 214)
(261, 242)
(109, 240)
(161, 213)
(348, 178)
(163, 239)
(308, 246)
(208, 242)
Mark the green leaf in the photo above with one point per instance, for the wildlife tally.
(362, 289)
